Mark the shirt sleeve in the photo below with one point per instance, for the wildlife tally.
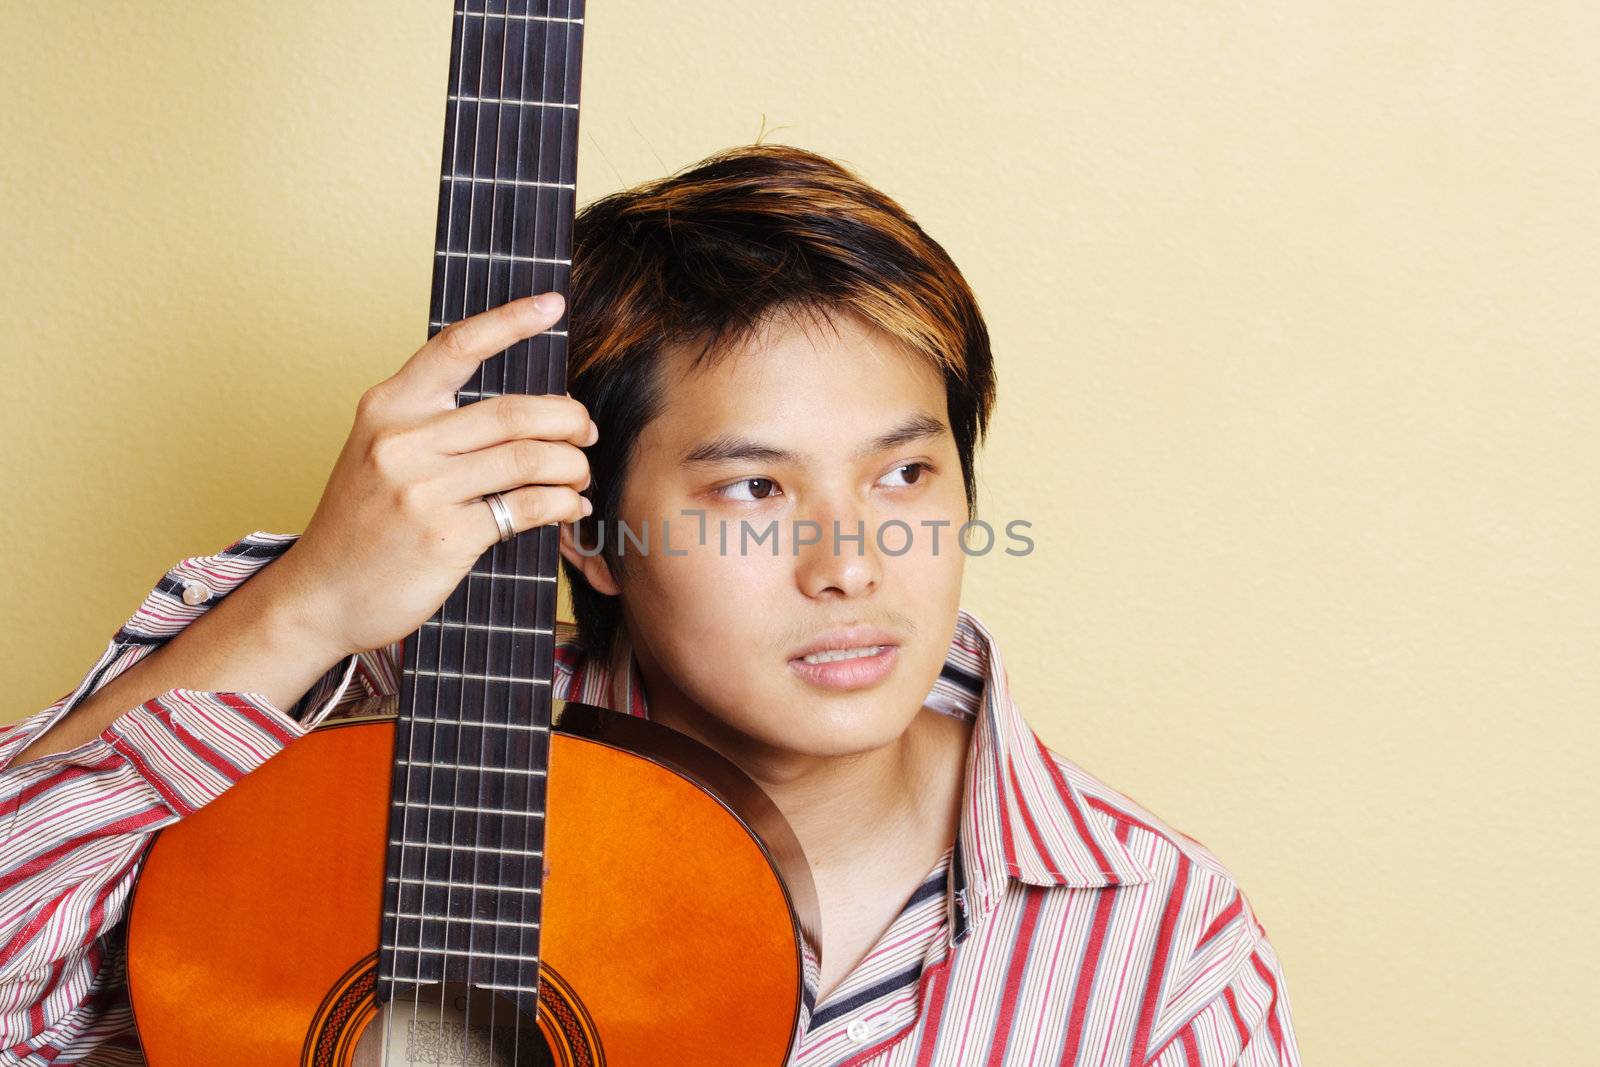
(74, 825)
(1231, 998)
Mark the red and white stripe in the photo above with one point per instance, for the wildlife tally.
(1065, 925)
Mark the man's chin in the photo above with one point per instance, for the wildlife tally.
(833, 728)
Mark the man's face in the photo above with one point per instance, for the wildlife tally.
(804, 428)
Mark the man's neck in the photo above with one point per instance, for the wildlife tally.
(850, 811)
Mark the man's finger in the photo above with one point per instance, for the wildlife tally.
(454, 354)
(483, 423)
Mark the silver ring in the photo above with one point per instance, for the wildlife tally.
(502, 516)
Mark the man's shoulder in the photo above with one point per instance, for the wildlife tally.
(1205, 891)
(1220, 964)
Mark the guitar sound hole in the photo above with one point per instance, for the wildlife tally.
(450, 1025)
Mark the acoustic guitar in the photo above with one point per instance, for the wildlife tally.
(491, 877)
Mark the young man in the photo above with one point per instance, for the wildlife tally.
(782, 365)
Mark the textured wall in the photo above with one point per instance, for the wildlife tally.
(1295, 312)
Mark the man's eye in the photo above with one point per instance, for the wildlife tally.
(760, 488)
(909, 471)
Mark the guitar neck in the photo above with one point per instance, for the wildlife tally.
(465, 865)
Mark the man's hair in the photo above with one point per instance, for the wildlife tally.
(710, 255)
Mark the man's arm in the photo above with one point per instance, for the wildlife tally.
(257, 640)
(128, 752)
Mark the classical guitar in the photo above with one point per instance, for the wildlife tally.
(491, 876)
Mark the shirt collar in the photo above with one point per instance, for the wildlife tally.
(1027, 814)
(1025, 811)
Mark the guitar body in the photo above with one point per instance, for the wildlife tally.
(675, 900)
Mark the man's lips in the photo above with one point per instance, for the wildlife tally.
(858, 673)
(845, 638)
(874, 655)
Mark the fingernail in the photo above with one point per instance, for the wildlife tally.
(588, 508)
(549, 303)
(594, 432)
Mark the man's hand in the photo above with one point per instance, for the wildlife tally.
(402, 518)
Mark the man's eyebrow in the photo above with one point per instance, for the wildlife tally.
(919, 427)
(728, 448)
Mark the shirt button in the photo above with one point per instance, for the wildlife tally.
(858, 1030)
(195, 592)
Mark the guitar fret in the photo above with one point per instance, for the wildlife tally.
(419, 804)
(517, 577)
(506, 181)
(552, 333)
(468, 848)
(528, 727)
(529, 925)
(513, 103)
(479, 395)
(477, 677)
(469, 767)
(504, 988)
(496, 956)
(404, 880)
(488, 626)
(503, 255)
(524, 18)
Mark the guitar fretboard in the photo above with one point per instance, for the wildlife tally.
(466, 823)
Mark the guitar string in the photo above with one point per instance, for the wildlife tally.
(499, 884)
(477, 855)
(516, 548)
(438, 642)
(466, 608)
(545, 698)
(439, 726)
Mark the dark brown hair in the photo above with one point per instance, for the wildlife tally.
(711, 253)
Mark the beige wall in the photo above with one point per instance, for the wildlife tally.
(1295, 311)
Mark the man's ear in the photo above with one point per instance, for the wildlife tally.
(593, 564)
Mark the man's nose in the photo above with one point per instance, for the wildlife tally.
(837, 554)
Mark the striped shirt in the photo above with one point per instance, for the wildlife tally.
(1066, 924)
